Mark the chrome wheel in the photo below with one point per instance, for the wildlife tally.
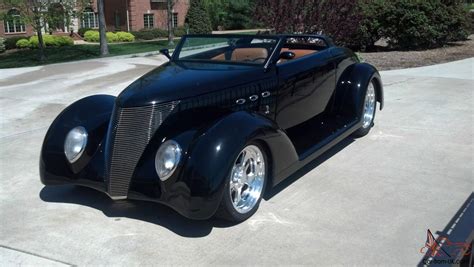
(247, 179)
(369, 106)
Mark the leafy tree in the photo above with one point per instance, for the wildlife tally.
(337, 18)
(198, 19)
(32, 13)
(239, 15)
(286, 16)
(406, 24)
(230, 14)
(217, 12)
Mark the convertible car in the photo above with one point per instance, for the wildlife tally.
(228, 117)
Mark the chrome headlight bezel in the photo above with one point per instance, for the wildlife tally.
(75, 143)
(167, 159)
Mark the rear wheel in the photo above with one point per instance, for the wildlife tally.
(368, 115)
(245, 184)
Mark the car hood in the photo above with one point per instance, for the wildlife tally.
(175, 81)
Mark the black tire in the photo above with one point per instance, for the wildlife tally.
(363, 131)
(226, 210)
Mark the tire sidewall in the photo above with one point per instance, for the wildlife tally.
(364, 131)
(226, 201)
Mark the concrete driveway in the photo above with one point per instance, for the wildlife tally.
(368, 201)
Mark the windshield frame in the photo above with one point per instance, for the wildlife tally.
(178, 49)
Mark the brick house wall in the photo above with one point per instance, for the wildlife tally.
(124, 14)
(138, 8)
(28, 31)
(116, 13)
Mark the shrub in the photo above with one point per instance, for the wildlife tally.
(22, 44)
(179, 31)
(125, 37)
(10, 43)
(64, 41)
(198, 18)
(34, 41)
(406, 24)
(92, 36)
(471, 22)
(457, 21)
(369, 30)
(2, 45)
(142, 35)
(150, 34)
(51, 40)
(413, 24)
(112, 37)
(81, 31)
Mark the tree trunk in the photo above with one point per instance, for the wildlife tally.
(37, 19)
(104, 48)
(170, 22)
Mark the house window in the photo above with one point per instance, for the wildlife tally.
(149, 21)
(13, 22)
(90, 19)
(175, 20)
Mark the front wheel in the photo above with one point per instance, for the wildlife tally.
(368, 115)
(245, 184)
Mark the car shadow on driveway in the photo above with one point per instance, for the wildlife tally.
(151, 212)
(271, 192)
(160, 214)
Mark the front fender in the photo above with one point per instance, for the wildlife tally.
(213, 152)
(93, 113)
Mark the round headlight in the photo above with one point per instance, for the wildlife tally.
(75, 143)
(167, 159)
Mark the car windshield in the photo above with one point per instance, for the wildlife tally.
(224, 49)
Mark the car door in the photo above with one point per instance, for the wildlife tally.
(305, 87)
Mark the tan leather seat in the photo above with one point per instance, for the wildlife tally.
(249, 54)
(220, 57)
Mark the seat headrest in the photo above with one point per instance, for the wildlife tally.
(249, 54)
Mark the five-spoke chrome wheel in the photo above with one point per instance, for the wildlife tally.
(247, 179)
(369, 106)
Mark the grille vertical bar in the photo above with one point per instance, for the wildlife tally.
(130, 131)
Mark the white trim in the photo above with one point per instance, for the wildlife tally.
(148, 21)
(128, 21)
(14, 19)
(91, 21)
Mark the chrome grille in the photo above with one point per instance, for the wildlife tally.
(130, 132)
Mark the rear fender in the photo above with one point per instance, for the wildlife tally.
(352, 87)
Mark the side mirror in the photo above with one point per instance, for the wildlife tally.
(287, 55)
(166, 52)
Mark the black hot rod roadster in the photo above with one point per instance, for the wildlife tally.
(226, 118)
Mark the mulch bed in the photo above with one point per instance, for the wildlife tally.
(410, 59)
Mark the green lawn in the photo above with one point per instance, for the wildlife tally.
(28, 58)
